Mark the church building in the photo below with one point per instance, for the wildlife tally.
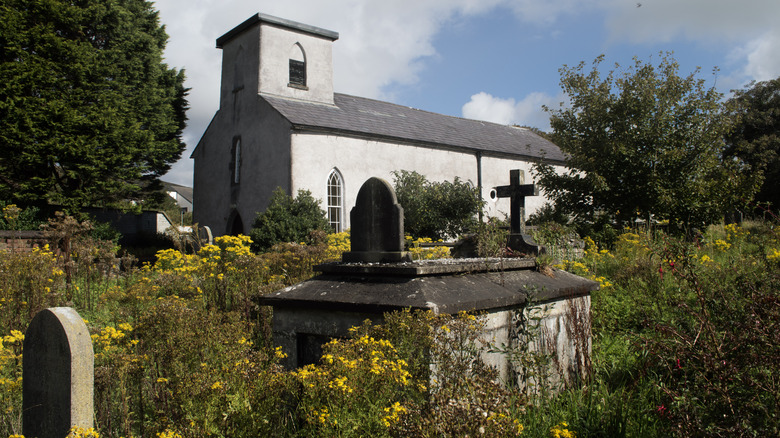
(280, 124)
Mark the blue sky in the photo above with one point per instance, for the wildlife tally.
(494, 60)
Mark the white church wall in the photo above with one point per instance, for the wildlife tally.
(314, 156)
(264, 165)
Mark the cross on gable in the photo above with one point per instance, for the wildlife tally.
(516, 191)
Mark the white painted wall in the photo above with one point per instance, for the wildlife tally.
(315, 155)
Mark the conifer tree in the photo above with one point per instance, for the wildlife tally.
(89, 113)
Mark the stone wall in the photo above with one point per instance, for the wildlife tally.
(21, 241)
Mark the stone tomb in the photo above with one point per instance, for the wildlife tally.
(505, 290)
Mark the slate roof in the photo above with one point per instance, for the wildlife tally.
(184, 191)
(373, 118)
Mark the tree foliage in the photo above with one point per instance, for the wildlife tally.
(642, 142)
(436, 209)
(288, 219)
(89, 114)
(756, 137)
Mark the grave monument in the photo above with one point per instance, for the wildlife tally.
(57, 374)
(365, 285)
(516, 191)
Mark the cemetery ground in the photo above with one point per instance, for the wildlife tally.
(686, 342)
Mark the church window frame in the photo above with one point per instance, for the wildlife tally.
(335, 200)
(235, 162)
(297, 72)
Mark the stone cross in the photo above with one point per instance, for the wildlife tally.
(516, 191)
(377, 222)
(57, 374)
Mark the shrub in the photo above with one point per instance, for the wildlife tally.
(288, 219)
(717, 352)
(15, 218)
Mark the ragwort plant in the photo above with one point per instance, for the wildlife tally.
(29, 282)
(417, 374)
(11, 383)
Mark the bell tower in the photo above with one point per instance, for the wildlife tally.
(277, 57)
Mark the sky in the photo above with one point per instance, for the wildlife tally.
(493, 60)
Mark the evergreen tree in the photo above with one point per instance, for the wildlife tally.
(89, 113)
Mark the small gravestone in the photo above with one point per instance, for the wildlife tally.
(516, 191)
(377, 226)
(57, 374)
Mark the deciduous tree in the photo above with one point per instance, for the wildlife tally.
(89, 113)
(756, 137)
(642, 142)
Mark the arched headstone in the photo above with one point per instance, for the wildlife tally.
(377, 222)
(57, 374)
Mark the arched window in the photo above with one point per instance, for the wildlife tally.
(335, 200)
(236, 167)
(297, 66)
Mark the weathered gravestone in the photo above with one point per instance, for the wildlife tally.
(377, 225)
(347, 293)
(516, 191)
(57, 374)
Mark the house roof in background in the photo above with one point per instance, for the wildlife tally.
(368, 117)
(183, 191)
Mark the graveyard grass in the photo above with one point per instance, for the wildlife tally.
(686, 342)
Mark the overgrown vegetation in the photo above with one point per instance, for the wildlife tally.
(685, 343)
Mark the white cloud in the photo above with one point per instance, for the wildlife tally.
(665, 20)
(763, 57)
(527, 112)
(747, 29)
(546, 12)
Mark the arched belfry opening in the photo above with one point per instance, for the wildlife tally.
(297, 66)
(236, 225)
